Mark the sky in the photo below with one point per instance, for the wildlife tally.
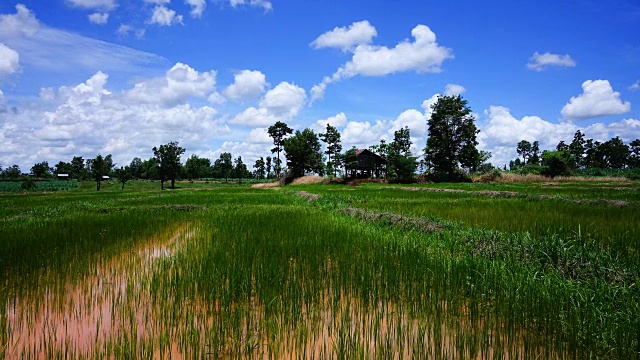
(88, 77)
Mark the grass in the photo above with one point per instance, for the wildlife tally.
(217, 271)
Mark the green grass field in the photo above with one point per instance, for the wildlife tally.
(221, 270)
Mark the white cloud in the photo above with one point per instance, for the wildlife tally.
(94, 4)
(179, 83)
(61, 51)
(339, 120)
(3, 107)
(265, 4)
(90, 119)
(157, 2)
(501, 132)
(9, 60)
(164, 16)
(423, 55)
(414, 119)
(539, 62)
(363, 134)
(99, 18)
(597, 99)
(454, 89)
(346, 38)
(259, 135)
(47, 94)
(197, 7)
(283, 103)
(246, 85)
(635, 86)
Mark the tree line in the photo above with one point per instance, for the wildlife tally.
(450, 154)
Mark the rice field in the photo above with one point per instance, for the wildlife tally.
(215, 271)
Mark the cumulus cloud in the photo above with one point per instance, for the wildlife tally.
(346, 38)
(90, 119)
(339, 120)
(47, 94)
(265, 4)
(597, 99)
(99, 18)
(59, 51)
(283, 103)
(180, 83)
(197, 7)
(93, 4)
(635, 86)
(259, 135)
(540, 62)
(454, 89)
(246, 85)
(9, 60)
(423, 55)
(500, 132)
(164, 16)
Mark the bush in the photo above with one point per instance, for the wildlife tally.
(28, 185)
(490, 176)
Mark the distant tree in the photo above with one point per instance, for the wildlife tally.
(577, 149)
(239, 169)
(534, 159)
(62, 168)
(616, 153)
(110, 164)
(594, 156)
(124, 175)
(78, 169)
(197, 167)
(524, 150)
(562, 146)
(260, 168)
(136, 168)
(99, 168)
(557, 163)
(452, 137)
(303, 153)
(278, 132)
(168, 159)
(41, 169)
(11, 173)
(634, 158)
(331, 137)
(268, 166)
(223, 166)
(350, 161)
(401, 164)
(149, 169)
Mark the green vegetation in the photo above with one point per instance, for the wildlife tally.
(30, 185)
(377, 271)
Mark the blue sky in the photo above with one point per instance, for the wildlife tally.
(82, 77)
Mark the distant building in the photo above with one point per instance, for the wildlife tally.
(63, 176)
(105, 177)
(367, 165)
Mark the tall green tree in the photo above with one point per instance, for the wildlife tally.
(557, 163)
(577, 149)
(401, 164)
(331, 137)
(78, 169)
(99, 168)
(303, 153)
(634, 157)
(123, 174)
(239, 169)
(136, 168)
(535, 154)
(268, 166)
(616, 153)
(41, 169)
(260, 168)
(278, 132)
(223, 166)
(197, 167)
(452, 137)
(62, 168)
(168, 160)
(524, 150)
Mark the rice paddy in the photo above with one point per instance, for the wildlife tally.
(320, 271)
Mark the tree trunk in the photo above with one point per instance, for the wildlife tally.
(98, 185)
(161, 184)
(122, 186)
(173, 183)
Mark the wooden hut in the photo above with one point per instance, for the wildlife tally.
(367, 164)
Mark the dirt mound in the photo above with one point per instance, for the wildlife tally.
(304, 180)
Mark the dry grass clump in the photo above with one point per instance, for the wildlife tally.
(266, 185)
(308, 196)
(511, 178)
(305, 180)
(391, 219)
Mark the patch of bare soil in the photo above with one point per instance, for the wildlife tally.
(308, 196)
(405, 222)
